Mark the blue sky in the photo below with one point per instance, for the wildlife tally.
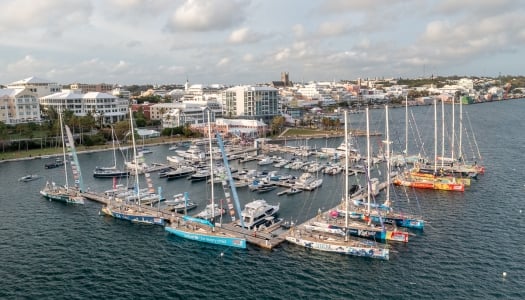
(248, 42)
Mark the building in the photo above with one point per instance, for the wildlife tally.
(251, 102)
(101, 105)
(19, 105)
(187, 114)
(98, 87)
(145, 107)
(158, 110)
(241, 128)
(41, 87)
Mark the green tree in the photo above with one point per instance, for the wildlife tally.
(277, 124)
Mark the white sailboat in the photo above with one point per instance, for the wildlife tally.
(131, 209)
(66, 193)
(337, 240)
(112, 171)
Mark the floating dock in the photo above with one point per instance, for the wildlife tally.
(268, 238)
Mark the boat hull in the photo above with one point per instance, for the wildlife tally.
(62, 197)
(208, 238)
(111, 174)
(370, 252)
(136, 218)
(401, 222)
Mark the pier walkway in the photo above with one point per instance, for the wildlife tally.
(268, 238)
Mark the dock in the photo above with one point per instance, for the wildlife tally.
(267, 238)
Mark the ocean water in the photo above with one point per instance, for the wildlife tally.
(49, 250)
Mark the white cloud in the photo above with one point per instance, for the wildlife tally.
(155, 41)
(52, 17)
(248, 57)
(223, 62)
(243, 35)
(333, 29)
(207, 15)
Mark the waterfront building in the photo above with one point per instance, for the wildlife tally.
(235, 127)
(187, 113)
(107, 108)
(251, 102)
(41, 87)
(19, 105)
(158, 110)
(97, 87)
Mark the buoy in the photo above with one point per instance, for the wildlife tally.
(504, 274)
(222, 254)
(520, 211)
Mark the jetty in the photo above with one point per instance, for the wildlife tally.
(267, 238)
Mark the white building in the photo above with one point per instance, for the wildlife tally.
(251, 102)
(109, 107)
(157, 111)
(41, 87)
(186, 114)
(19, 105)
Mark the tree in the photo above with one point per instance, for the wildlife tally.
(277, 124)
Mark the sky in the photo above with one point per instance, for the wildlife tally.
(252, 41)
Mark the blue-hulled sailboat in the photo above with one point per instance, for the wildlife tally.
(202, 230)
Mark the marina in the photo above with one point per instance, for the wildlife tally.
(431, 255)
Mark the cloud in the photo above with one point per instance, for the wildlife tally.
(244, 36)
(248, 57)
(298, 30)
(53, 17)
(223, 62)
(327, 29)
(207, 15)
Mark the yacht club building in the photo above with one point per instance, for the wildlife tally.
(101, 105)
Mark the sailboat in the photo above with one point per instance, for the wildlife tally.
(355, 228)
(204, 230)
(337, 240)
(66, 193)
(413, 178)
(384, 213)
(131, 208)
(110, 172)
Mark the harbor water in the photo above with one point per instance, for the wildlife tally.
(472, 246)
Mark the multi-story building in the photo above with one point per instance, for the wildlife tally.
(41, 87)
(158, 110)
(187, 113)
(251, 102)
(19, 105)
(98, 87)
(101, 105)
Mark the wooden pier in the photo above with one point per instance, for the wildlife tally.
(268, 238)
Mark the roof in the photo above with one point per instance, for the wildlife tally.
(69, 94)
(31, 79)
(9, 92)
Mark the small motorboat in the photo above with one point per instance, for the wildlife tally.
(28, 178)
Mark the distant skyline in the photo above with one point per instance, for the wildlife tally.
(247, 42)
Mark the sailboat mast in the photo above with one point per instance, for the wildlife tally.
(388, 155)
(136, 161)
(442, 133)
(346, 171)
(114, 150)
(368, 165)
(63, 148)
(211, 170)
(460, 149)
(406, 125)
(435, 135)
(453, 128)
